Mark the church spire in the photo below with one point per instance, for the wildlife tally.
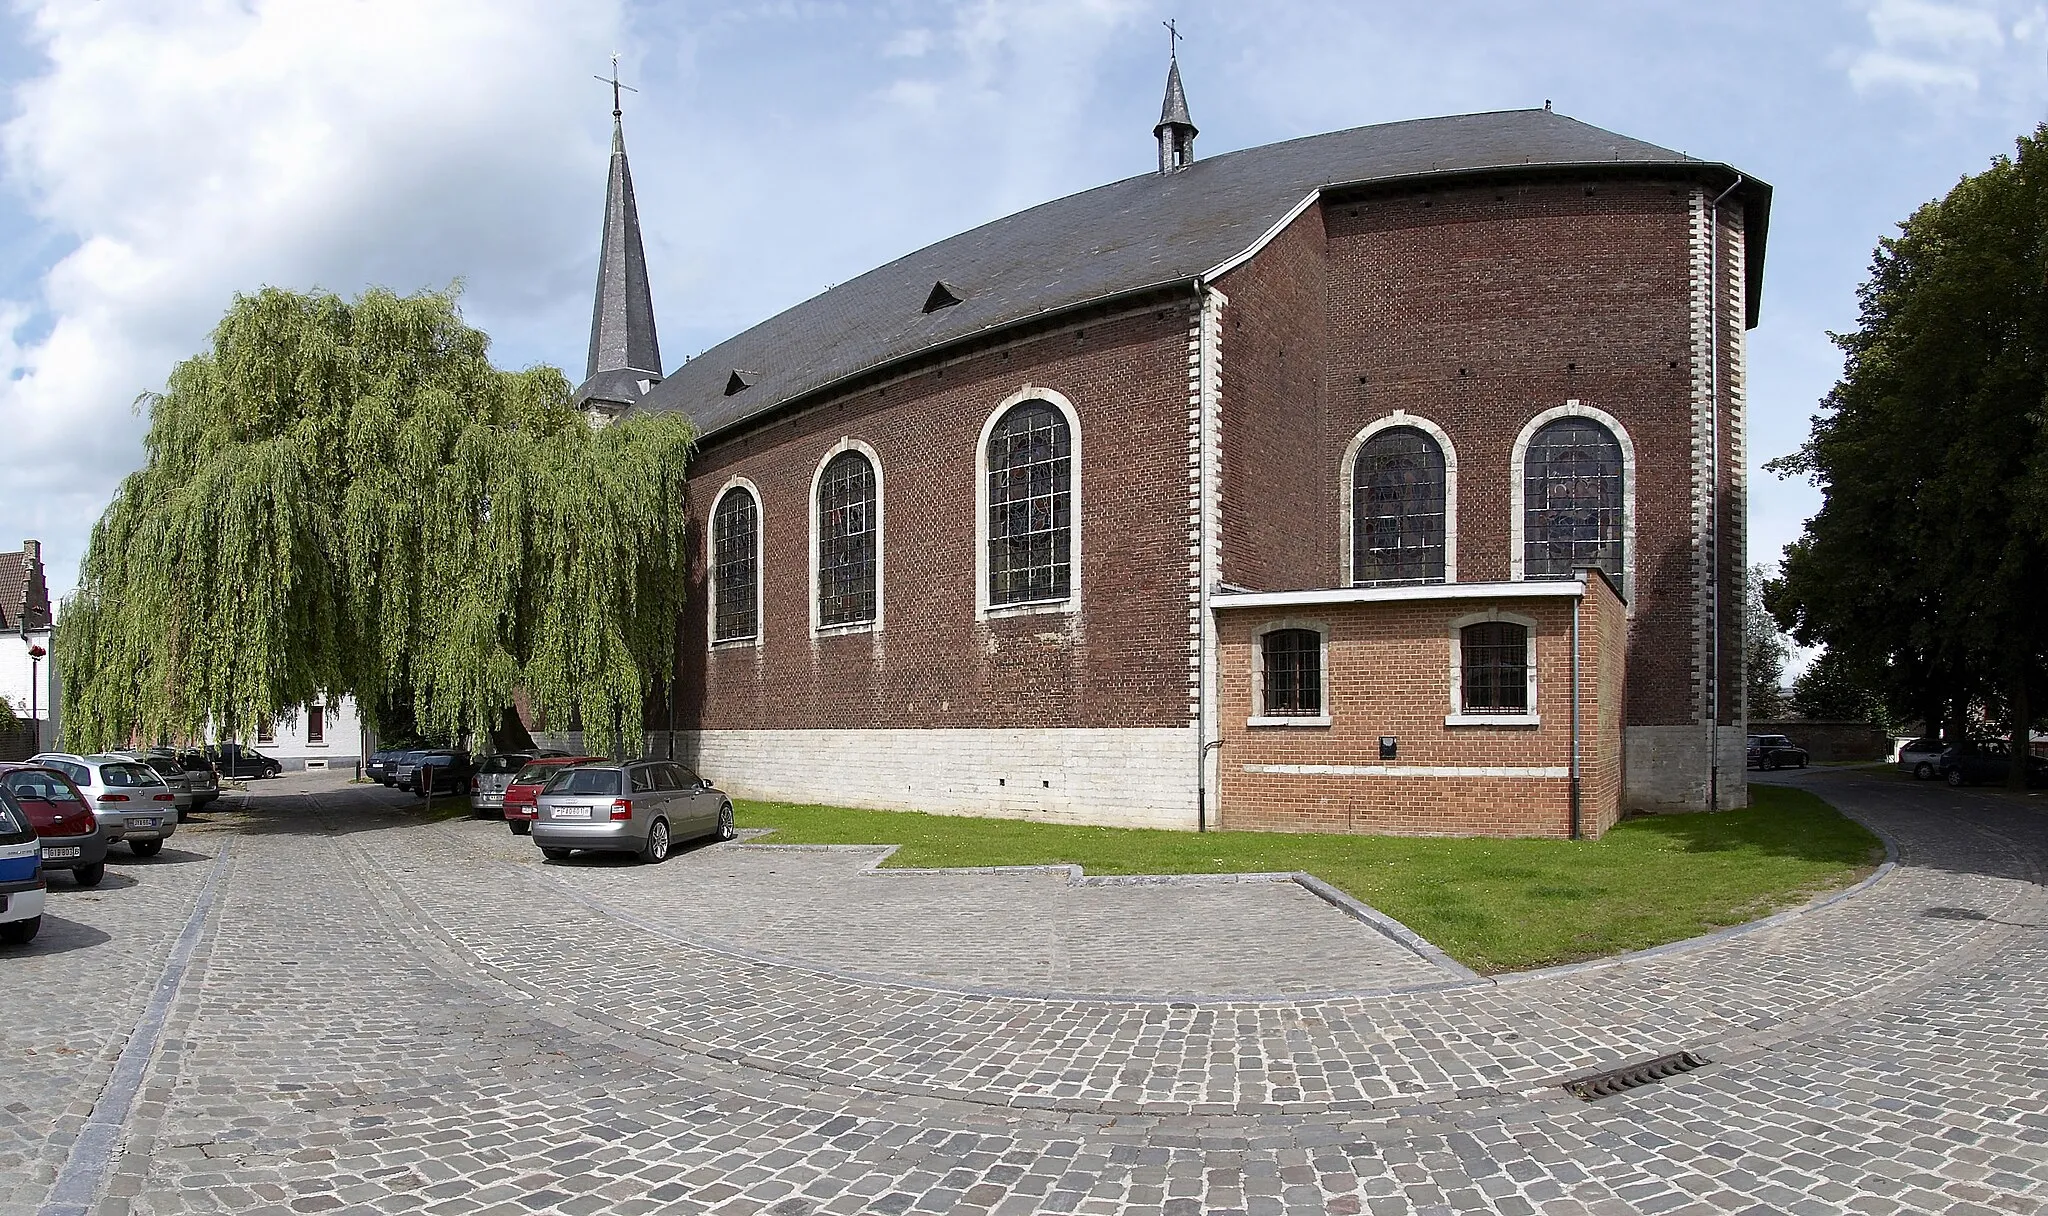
(1176, 131)
(625, 358)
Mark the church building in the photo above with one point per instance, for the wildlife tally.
(1385, 480)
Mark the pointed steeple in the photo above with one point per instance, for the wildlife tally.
(625, 358)
(1176, 131)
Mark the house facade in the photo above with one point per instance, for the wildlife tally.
(25, 665)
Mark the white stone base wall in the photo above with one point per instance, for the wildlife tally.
(1666, 768)
(1109, 777)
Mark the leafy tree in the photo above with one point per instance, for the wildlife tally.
(1829, 691)
(1763, 650)
(346, 497)
(1923, 571)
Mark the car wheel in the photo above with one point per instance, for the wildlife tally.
(89, 876)
(655, 851)
(554, 852)
(519, 827)
(146, 848)
(1802, 762)
(1923, 771)
(20, 932)
(1768, 763)
(725, 828)
(1955, 778)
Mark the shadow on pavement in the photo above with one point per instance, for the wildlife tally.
(120, 855)
(1933, 823)
(113, 881)
(58, 936)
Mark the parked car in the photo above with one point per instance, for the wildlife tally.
(523, 791)
(234, 761)
(1986, 762)
(21, 875)
(442, 771)
(397, 759)
(118, 788)
(1775, 751)
(379, 766)
(641, 806)
(174, 776)
(72, 837)
(1921, 757)
(488, 782)
(199, 775)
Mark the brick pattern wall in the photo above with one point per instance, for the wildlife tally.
(1118, 661)
(1389, 673)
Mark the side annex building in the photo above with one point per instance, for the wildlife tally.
(1386, 480)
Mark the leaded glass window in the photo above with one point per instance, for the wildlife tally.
(1572, 500)
(1397, 509)
(735, 542)
(847, 535)
(1030, 506)
(1494, 657)
(1293, 661)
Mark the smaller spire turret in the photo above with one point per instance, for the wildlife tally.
(1176, 131)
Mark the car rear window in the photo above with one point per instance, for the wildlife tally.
(169, 768)
(586, 781)
(502, 764)
(44, 787)
(125, 776)
(14, 826)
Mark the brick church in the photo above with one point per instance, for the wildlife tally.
(1387, 480)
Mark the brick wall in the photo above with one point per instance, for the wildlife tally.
(1119, 661)
(1389, 666)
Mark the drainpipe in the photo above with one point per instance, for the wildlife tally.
(1714, 494)
(1576, 603)
(1203, 744)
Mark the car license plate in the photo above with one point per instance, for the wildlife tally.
(142, 823)
(59, 854)
(572, 812)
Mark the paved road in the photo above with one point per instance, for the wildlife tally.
(316, 1003)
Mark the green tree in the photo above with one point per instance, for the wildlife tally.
(1923, 571)
(1829, 691)
(1763, 650)
(346, 497)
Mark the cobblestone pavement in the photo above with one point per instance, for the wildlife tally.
(384, 1015)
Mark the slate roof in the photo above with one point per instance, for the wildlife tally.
(622, 317)
(1150, 231)
(1174, 110)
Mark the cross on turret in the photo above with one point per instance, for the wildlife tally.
(613, 80)
(1176, 131)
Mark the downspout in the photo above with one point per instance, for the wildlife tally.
(1576, 603)
(1714, 494)
(1202, 742)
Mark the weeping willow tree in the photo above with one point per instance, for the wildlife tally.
(346, 497)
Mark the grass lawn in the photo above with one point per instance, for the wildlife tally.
(1495, 905)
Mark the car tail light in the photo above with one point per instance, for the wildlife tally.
(622, 808)
(166, 798)
(474, 785)
(113, 797)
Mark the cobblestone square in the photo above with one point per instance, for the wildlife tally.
(314, 1001)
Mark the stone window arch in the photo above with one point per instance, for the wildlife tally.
(846, 539)
(1290, 674)
(1573, 492)
(733, 563)
(1028, 506)
(1400, 481)
(1493, 670)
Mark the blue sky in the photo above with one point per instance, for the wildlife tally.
(156, 158)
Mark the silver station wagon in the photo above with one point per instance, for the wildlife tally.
(641, 806)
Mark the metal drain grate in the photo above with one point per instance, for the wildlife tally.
(1629, 1076)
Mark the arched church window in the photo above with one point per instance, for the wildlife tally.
(1572, 500)
(1030, 506)
(1397, 509)
(847, 536)
(735, 549)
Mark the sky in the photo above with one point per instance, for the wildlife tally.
(159, 156)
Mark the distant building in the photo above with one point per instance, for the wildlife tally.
(327, 734)
(25, 621)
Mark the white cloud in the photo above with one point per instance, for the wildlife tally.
(1924, 46)
(1882, 69)
(183, 153)
(1922, 23)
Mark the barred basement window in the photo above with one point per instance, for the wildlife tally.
(1030, 506)
(1572, 503)
(735, 540)
(846, 541)
(1495, 675)
(1397, 509)
(1293, 673)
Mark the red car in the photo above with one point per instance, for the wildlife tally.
(524, 790)
(72, 839)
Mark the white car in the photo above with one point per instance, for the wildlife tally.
(119, 788)
(1921, 757)
(21, 875)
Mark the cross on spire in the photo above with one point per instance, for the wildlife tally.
(1173, 38)
(613, 80)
